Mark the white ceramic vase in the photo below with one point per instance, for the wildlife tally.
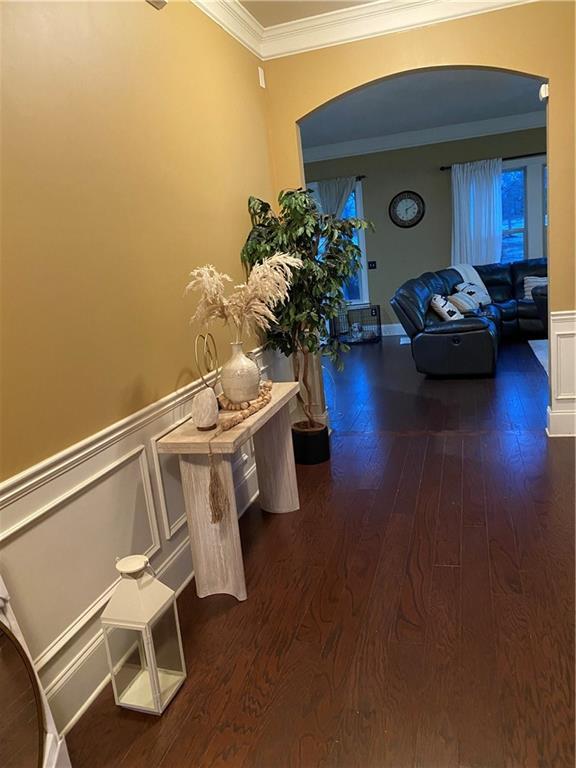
(240, 376)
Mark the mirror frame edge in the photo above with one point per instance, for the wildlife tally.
(36, 687)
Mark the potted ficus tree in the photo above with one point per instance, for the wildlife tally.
(330, 256)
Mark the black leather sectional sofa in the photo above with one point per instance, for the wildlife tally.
(468, 347)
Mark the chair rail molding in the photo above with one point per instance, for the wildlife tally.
(343, 26)
(562, 352)
(63, 521)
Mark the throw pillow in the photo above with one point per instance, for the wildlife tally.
(477, 292)
(531, 282)
(463, 302)
(444, 308)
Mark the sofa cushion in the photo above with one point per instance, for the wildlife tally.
(434, 282)
(532, 282)
(477, 292)
(460, 325)
(491, 311)
(451, 278)
(531, 326)
(498, 280)
(508, 309)
(526, 268)
(464, 302)
(411, 302)
(540, 291)
(527, 310)
(444, 308)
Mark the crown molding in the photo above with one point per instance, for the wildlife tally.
(236, 20)
(370, 20)
(420, 138)
(344, 26)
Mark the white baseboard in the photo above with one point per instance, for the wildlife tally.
(562, 408)
(393, 329)
(64, 521)
(561, 423)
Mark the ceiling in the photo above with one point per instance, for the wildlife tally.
(419, 101)
(272, 12)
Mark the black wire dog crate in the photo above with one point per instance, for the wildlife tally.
(357, 326)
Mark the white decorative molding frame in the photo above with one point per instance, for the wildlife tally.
(34, 516)
(115, 471)
(424, 137)
(94, 608)
(344, 26)
(170, 528)
(562, 408)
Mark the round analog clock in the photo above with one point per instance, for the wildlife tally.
(406, 209)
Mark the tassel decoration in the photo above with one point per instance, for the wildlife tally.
(219, 503)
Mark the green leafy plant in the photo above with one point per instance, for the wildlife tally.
(329, 258)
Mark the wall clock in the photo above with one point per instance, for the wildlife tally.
(407, 209)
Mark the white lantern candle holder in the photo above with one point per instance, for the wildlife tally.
(142, 638)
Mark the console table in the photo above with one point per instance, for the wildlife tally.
(216, 549)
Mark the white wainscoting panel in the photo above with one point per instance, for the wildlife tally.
(62, 554)
(64, 521)
(166, 474)
(562, 409)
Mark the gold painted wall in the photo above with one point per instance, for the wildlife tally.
(535, 39)
(131, 139)
(404, 253)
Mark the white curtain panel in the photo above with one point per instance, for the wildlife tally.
(477, 212)
(331, 195)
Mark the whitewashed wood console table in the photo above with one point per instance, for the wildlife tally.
(216, 549)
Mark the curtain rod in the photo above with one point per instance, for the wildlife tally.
(358, 178)
(504, 159)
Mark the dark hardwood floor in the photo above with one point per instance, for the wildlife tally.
(417, 611)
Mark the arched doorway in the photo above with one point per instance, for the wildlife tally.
(435, 117)
(300, 84)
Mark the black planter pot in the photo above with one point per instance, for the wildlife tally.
(311, 446)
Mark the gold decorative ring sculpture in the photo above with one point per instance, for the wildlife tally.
(206, 358)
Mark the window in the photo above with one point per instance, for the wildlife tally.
(513, 214)
(356, 289)
(524, 208)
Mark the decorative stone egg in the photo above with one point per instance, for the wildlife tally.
(204, 411)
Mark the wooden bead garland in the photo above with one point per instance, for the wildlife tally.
(244, 410)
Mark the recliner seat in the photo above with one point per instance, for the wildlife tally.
(469, 346)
